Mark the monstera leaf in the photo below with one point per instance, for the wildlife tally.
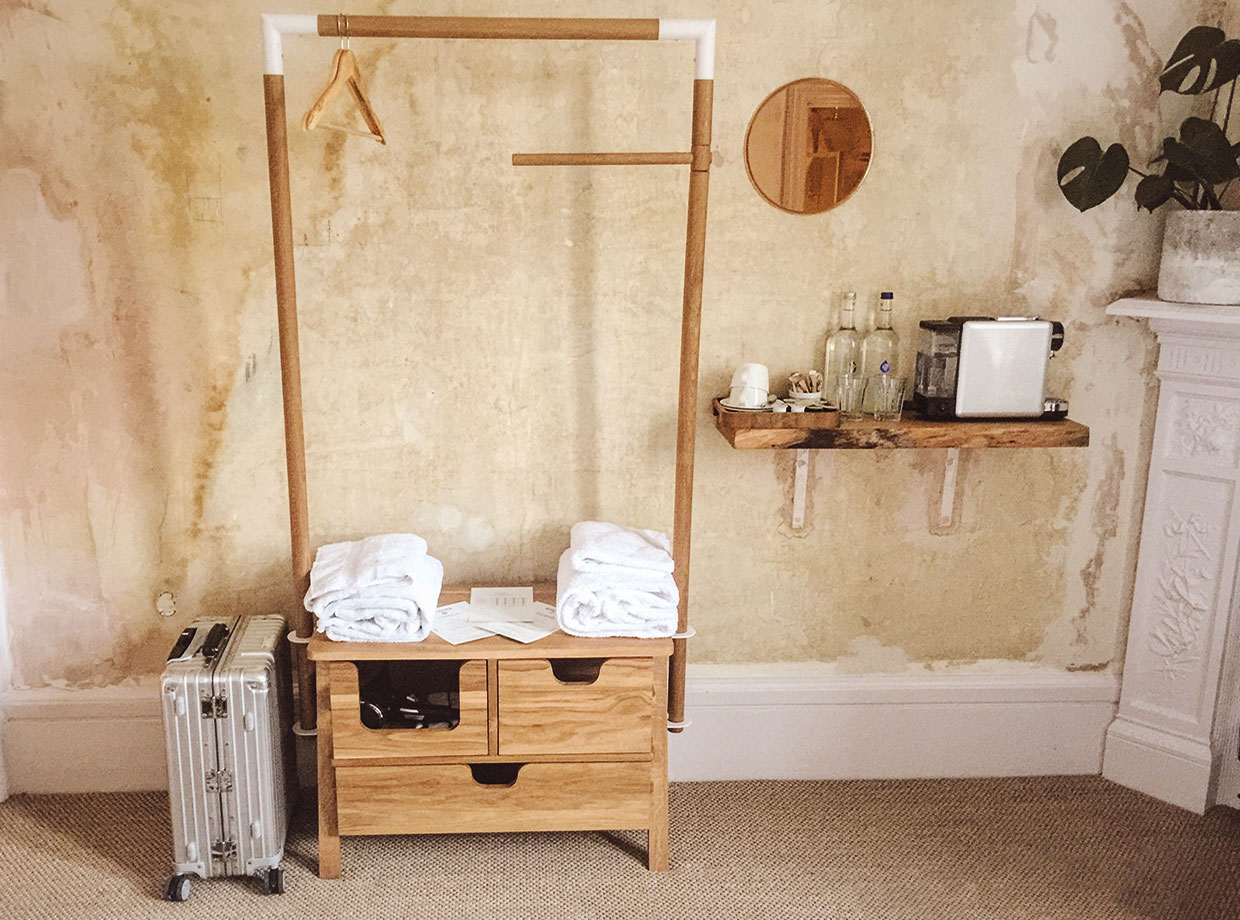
(1203, 150)
(1203, 155)
(1155, 191)
(1088, 176)
(1203, 60)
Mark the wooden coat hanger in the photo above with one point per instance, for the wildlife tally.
(344, 73)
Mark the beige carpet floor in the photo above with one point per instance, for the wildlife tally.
(1062, 848)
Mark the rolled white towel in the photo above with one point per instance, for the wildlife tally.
(597, 546)
(400, 612)
(342, 569)
(642, 605)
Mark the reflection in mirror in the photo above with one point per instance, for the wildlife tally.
(808, 145)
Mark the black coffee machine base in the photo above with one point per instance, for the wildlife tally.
(944, 410)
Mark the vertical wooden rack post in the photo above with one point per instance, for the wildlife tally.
(628, 785)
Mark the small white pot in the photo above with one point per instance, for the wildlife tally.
(1201, 258)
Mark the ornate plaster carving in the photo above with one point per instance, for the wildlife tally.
(1199, 359)
(1184, 587)
(1205, 428)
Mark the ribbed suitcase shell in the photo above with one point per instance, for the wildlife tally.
(229, 762)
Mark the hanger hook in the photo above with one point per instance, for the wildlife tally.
(342, 29)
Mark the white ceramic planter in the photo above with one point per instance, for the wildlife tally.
(1201, 258)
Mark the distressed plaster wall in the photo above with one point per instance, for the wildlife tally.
(490, 353)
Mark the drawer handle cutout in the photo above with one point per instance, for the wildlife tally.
(576, 670)
(495, 774)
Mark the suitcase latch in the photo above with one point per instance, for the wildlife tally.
(215, 707)
(219, 781)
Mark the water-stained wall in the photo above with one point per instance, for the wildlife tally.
(489, 353)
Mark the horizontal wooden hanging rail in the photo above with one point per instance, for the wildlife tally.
(602, 159)
(487, 27)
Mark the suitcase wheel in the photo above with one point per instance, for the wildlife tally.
(273, 881)
(177, 888)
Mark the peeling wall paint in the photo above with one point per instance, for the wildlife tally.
(489, 353)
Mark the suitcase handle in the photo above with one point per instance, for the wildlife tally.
(215, 641)
(183, 641)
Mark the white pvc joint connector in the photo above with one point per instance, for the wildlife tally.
(689, 631)
(304, 732)
(701, 31)
(682, 724)
(295, 639)
(276, 25)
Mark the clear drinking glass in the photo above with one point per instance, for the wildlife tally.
(885, 393)
(848, 392)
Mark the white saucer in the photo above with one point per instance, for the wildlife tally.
(732, 407)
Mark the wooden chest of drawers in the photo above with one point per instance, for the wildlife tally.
(560, 734)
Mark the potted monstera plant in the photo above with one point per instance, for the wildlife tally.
(1192, 172)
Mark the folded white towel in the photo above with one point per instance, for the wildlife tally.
(597, 546)
(393, 599)
(641, 604)
(340, 569)
(414, 601)
(370, 631)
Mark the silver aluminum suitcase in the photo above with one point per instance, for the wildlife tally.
(227, 717)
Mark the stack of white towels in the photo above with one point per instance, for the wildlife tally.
(616, 581)
(381, 589)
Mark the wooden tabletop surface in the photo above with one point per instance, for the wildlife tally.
(557, 645)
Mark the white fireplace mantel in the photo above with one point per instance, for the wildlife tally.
(1175, 734)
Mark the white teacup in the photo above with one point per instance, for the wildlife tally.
(752, 375)
(748, 397)
(751, 385)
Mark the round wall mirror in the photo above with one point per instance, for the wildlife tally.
(808, 145)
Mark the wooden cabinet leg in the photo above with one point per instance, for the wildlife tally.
(656, 847)
(329, 855)
(657, 840)
(329, 834)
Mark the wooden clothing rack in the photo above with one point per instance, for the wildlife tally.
(335, 690)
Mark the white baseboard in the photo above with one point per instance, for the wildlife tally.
(776, 722)
(105, 740)
(748, 722)
(1168, 767)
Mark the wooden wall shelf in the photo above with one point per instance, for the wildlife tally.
(822, 430)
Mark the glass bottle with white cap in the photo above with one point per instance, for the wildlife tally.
(843, 345)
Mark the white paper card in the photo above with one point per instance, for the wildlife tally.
(533, 623)
(501, 597)
(454, 625)
(509, 612)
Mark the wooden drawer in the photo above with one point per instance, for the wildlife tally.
(541, 714)
(350, 738)
(449, 798)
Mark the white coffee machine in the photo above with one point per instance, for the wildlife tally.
(985, 367)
